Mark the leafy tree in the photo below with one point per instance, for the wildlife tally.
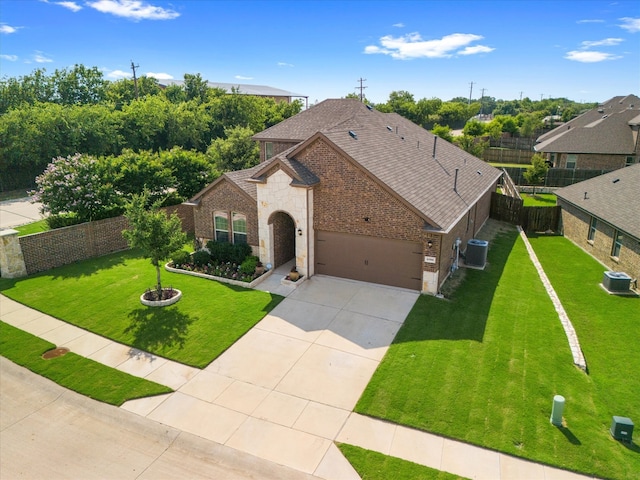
(151, 230)
(236, 152)
(443, 132)
(175, 94)
(80, 85)
(473, 145)
(145, 123)
(474, 128)
(453, 114)
(195, 87)
(77, 184)
(141, 171)
(123, 91)
(534, 175)
(529, 124)
(191, 171)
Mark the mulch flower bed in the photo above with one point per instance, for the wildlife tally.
(224, 270)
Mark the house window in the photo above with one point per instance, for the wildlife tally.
(239, 228)
(630, 161)
(268, 150)
(221, 226)
(617, 244)
(592, 229)
(572, 160)
(552, 159)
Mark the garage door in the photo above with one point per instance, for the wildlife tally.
(369, 259)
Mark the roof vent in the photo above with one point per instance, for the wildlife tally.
(616, 180)
(605, 116)
(390, 128)
(353, 134)
(369, 107)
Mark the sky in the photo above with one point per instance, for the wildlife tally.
(586, 51)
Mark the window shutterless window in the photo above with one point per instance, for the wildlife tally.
(572, 160)
(221, 226)
(239, 228)
(617, 244)
(268, 150)
(592, 229)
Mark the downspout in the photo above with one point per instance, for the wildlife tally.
(308, 240)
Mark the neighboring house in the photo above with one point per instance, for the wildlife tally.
(605, 138)
(602, 216)
(352, 192)
(277, 94)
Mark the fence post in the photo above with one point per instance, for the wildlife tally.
(11, 258)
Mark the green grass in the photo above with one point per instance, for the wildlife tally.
(72, 371)
(102, 295)
(484, 365)
(539, 199)
(34, 227)
(376, 466)
(509, 165)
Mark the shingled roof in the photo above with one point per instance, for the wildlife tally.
(238, 178)
(400, 155)
(603, 130)
(612, 198)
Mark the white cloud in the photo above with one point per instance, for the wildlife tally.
(630, 24)
(476, 49)
(398, 25)
(590, 21)
(585, 56)
(159, 76)
(118, 74)
(39, 57)
(413, 46)
(607, 42)
(284, 64)
(133, 9)
(73, 6)
(8, 29)
(240, 77)
(11, 58)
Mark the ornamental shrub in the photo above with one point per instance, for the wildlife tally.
(201, 257)
(248, 267)
(180, 257)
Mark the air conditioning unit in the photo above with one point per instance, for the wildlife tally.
(616, 281)
(622, 429)
(476, 254)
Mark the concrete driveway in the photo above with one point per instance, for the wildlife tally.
(284, 391)
(18, 212)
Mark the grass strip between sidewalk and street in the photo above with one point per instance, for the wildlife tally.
(74, 372)
(372, 465)
(484, 365)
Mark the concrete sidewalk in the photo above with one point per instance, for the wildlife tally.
(18, 212)
(286, 390)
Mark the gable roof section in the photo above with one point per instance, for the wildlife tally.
(603, 130)
(404, 163)
(613, 197)
(301, 175)
(237, 178)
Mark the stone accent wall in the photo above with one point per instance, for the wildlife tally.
(575, 225)
(11, 258)
(593, 161)
(226, 197)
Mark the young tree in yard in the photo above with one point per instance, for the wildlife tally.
(152, 231)
(536, 172)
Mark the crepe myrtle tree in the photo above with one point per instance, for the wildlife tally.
(153, 231)
(535, 173)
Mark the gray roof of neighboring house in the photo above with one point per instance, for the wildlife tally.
(399, 154)
(603, 130)
(258, 90)
(613, 197)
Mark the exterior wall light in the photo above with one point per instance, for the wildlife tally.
(299, 232)
(429, 243)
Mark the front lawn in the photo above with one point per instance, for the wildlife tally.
(102, 296)
(483, 367)
(72, 371)
(33, 227)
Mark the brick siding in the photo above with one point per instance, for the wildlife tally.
(575, 225)
(593, 161)
(225, 197)
(278, 147)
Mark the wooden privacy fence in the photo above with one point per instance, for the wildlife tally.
(531, 219)
(556, 177)
(502, 155)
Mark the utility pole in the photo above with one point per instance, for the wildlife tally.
(361, 88)
(135, 79)
(470, 93)
(482, 102)
(521, 96)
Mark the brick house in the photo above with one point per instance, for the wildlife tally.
(605, 138)
(602, 216)
(352, 192)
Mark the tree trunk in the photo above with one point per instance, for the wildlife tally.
(158, 284)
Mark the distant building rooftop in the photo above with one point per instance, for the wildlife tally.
(243, 88)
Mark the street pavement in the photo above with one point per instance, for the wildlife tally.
(14, 213)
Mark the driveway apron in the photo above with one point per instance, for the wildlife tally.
(284, 391)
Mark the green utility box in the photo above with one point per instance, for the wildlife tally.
(622, 429)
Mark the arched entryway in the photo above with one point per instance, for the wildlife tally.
(284, 238)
